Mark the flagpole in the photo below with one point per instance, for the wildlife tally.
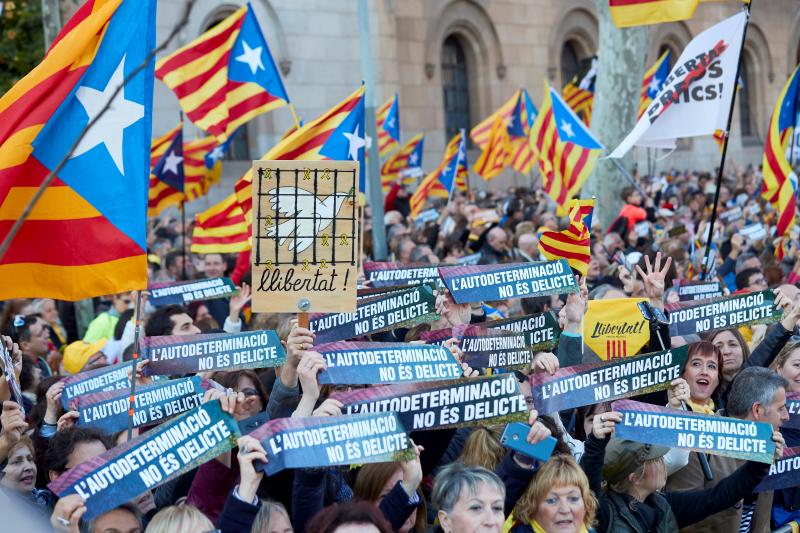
(627, 175)
(747, 7)
(183, 239)
(137, 313)
(294, 115)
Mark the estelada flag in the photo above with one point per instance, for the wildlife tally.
(615, 328)
(86, 235)
(696, 97)
(221, 229)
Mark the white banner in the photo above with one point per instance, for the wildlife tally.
(696, 97)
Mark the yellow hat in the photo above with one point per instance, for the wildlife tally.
(77, 353)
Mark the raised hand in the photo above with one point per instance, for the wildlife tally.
(654, 277)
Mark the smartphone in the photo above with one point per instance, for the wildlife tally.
(513, 437)
(620, 259)
(11, 378)
(248, 425)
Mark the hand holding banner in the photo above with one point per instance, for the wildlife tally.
(742, 439)
(687, 318)
(492, 348)
(390, 274)
(190, 291)
(540, 331)
(103, 379)
(580, 385)
(333, 440)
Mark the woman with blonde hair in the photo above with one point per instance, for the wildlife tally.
(182, 518)
(557, 500)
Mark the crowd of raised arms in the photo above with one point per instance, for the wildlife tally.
(462, 480)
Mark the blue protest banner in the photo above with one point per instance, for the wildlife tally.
(720, 435)
(793, 407)
(188, 354)
(333, 440)
(388, 311)
(190, 291)
(784, 473)
(127, 471)
(481, 283)
(356, 363)
(443, 404)
(108, 411)
(437, 336)
(579, 385)
(540, 331)
(492, 348)
(388, 274)
(103, 379)
(688, 318)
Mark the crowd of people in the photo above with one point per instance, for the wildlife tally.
(461, 480)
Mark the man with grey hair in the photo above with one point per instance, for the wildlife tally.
(759, 394)
(527, 248)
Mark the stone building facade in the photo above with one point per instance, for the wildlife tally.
(478, 52)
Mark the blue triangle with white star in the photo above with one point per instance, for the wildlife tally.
(169, 168)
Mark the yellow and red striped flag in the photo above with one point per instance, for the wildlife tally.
(496, 153)
(579, 94)
(315, 141)
(780, 182)
(86, 236)
(197, 177)
(625, 13)
(409, 156)
(161, 194)
(226, 76)
(387, 117)
(572, 243)
(440, 182)
(518, 113)
(566, 149)
(221, 229)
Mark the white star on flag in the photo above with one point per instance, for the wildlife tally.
(390, 122)
(171, 162)
(654, 82)
(109, 128)
(251, 57)
(356, 143)
(216, 153)
(412, 159)
(566, 127)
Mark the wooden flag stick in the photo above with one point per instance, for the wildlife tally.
(137, 314)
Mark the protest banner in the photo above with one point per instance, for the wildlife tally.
(306, 237)
(333, 440)
(108, 411)
(127, 471)
(436, 336)
(540, 331)
(688, 318)
(689, 290)
(395, 310)
(103, 379)
(365, 293)
(190, 291)
(793, 407)
(784, 473)
(580, 385)
(719, 435)
(731, 215)
(471, 259)
(492, 348)
(479, 283)
(389, 274)
(11, 377)
(465, 402)
(188, 354)
(358, 363)
(615, 328)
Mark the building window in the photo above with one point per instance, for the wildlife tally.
(455, 86)
(570, 64)
(744, 96)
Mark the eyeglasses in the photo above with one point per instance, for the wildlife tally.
(249, 391)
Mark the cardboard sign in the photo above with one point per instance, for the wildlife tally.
(719, 435)
(689, 290)
(103, 379)
(306, 237)
(391, 274)
(188, 354)
(127, 471)
(579, 385)
(784, 473)
(108, 411)
(480, 283)
(466, 402)
(355, 363)
(540, 331)
(333, 440)
(190, 291)
(793, 407)
(726, 312)
(492, 348)
(391, 311)
(11, 377)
